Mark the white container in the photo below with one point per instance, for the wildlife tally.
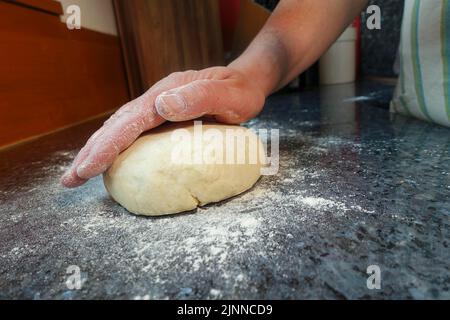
(338, 64)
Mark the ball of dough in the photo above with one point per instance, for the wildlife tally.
(179, 167)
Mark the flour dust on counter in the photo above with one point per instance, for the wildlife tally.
(210, 241)
(346, 196)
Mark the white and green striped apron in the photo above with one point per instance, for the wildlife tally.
(423, 90)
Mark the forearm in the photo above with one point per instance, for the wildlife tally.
(294, 37)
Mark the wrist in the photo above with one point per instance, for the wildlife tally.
(264, 75)
(266, 61)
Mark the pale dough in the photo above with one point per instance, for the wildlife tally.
(145, 179)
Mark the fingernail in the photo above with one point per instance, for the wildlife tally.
(69, 180)
(88, 170)
(82, 170)
(170, 104)
(64, 178)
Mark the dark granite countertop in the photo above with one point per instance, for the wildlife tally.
(357, 186)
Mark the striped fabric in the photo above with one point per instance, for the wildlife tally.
(424, 85)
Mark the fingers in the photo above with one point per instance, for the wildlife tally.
(180, 96)
(104, 146)
(225, 99)
(118, 132)
(70, 179)
(117, 136)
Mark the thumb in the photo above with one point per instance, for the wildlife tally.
(220, 98)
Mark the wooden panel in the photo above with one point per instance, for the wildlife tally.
(163, 36)
(52, 77)
(129, 49)
(252, 18)
(229, 14)
(49, 6)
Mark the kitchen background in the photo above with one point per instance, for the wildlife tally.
(357, 186)
(66, 77)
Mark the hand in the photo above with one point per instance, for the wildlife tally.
(222, 92)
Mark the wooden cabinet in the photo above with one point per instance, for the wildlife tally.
(52, 77)
(163, 36)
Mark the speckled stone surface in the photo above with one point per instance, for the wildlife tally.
(379, 47)
(356, 187)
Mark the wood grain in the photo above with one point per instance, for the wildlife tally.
(163, 36)
(49, 6)
(252, 18)
(52, 77)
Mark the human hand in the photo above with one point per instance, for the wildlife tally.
(222, 92)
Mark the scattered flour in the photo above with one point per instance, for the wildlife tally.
(209, 241)
(324, 204)
(321, 203)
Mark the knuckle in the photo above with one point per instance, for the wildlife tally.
(201, 87)
(188, 75)
(174, 75)
(197, 92)
(191, 72)
(219, 73)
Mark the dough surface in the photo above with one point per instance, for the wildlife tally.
(153, 177)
